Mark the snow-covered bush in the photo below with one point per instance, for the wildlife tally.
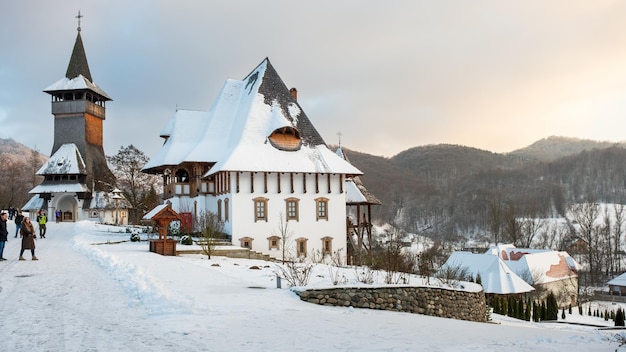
(186, 240)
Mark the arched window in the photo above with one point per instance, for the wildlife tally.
(219, 210)
(286, 138)
(226, 211)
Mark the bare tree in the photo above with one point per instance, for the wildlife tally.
(530, 228)
(512, 226)
(617, 235)
(582, 222)
(495, 219)
(211, 229)
(136, 185)
(285, 235)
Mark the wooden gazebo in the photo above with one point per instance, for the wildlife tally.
(163, 215)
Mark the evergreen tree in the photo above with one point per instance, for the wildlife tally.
(520, 309)
(589, 312)
(527, 311)
(580, 310)
(479, 280)
(552, 308)
(535, 312)
(563, 314)
(619, 317)
(569, 309)
(511, 311)
(543, 311)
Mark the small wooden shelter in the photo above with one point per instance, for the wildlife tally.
(163, 215)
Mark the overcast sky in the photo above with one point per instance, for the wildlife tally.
(496, 75)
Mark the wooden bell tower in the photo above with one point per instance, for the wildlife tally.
(78, 106)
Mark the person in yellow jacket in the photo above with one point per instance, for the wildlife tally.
(42, 220)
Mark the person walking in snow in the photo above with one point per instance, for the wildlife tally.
(42, 220)
(18, 222)
(28, 238)
(3, 234)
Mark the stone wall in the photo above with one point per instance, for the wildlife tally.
(438, 302)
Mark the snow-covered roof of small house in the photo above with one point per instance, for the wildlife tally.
(254, 125)
(495, 276)
(618, 281)
(537, 266)
(65, 161)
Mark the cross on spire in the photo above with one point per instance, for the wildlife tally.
(339, 134)
(79, 17)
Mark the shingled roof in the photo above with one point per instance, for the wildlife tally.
(78, 62)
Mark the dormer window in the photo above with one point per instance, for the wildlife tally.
(286, 138)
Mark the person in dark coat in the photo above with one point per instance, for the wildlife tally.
(28, 238)
(18, 222)
(3, 234)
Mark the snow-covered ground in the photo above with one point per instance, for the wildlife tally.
(89, 293)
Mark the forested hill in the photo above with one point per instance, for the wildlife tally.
(17, 174)
(444, 190)
(447, 190)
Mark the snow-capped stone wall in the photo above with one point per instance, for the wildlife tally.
(438, 302)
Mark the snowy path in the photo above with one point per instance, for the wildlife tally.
(64, 302)
(119, 297)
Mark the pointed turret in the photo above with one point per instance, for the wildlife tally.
(78, 62)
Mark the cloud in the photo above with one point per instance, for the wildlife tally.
(489, 74)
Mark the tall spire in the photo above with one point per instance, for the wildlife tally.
(78, 62)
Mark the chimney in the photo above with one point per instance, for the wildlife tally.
(294, 93)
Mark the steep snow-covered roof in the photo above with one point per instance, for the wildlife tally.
(496, 277)
(235, 133)
(65, 161)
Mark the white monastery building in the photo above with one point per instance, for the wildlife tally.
(256, 160)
